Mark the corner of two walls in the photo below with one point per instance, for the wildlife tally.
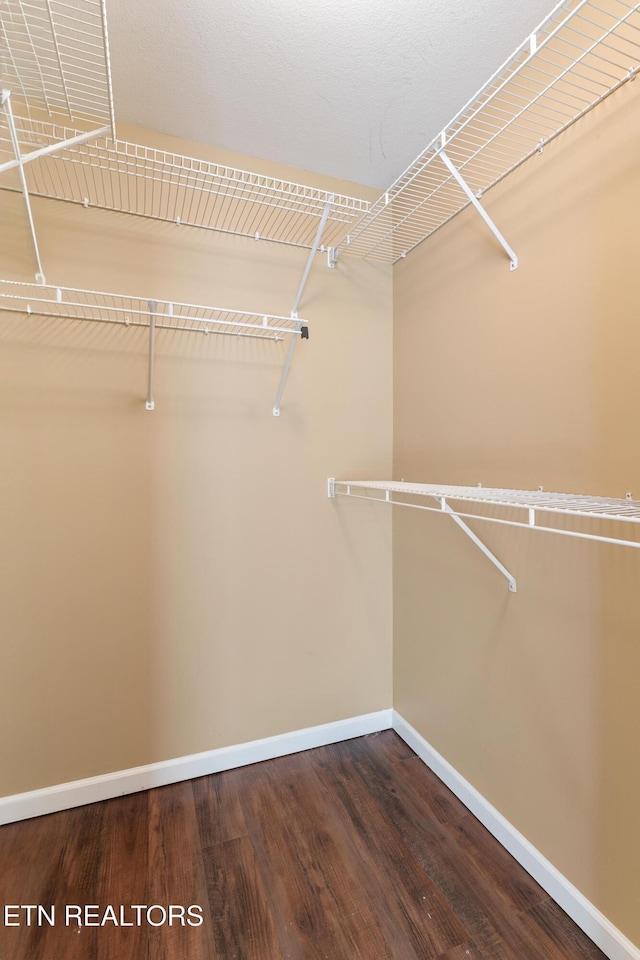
(519, 380)
(177, 580)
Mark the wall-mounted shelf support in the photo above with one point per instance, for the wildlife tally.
(153, 306)
(6, 104)
(312, 253)
(343, 488)
(55, 147)
(457, 176)
(444, 506)
(489, 504)
(296, 303)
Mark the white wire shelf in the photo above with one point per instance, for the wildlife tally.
(489, 504)
(74, 304)
(533, 502)
(130, 178)
(581, 53)
(55, 58)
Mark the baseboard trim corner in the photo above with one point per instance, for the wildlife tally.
(77, 793)
(597, 927)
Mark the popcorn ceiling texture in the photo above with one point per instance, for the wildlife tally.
(348, 89)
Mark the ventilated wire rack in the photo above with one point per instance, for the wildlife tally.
(579, 55)
(130, 178)
(54, 57)
(90, 305)
(470, 502)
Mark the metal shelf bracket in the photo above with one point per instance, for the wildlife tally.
(332, 491)
(457, 176)
(6, 104)
(56, 147)
(296, 303)
(153, 307)
(444, 506)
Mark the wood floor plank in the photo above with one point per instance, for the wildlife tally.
(31, 854)
(424, 836)
(465, 951)
(76, 882)
(242, 927)
(123, 874)
(414, 917)
(218, 808)
(569, 942)
(391, 746)
(431, 791)
(481, 906)
(493, 862)
(292, 849)
(177, 876)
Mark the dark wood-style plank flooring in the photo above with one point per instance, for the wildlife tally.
(349, 851)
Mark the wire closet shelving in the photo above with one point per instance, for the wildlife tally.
(59, 132)
(582, 52)
(514, 508)
(130, 178)
(69, 303)
(55, 57)
(37, 300)
(59, 139)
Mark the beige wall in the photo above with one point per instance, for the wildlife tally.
(519, 380)
(177, 581)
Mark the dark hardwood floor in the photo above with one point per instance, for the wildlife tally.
(350, 851)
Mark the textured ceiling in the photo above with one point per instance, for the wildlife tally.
(350, 88)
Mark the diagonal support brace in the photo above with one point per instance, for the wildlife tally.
(444, 506)
(296, 302)
(55, 148)
(6, 104)
(312, 253)
(466, 189)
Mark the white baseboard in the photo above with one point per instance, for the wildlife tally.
(608, 938)
(64, 796)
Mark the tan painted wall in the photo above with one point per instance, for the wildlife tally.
(517, 380)
(177, 581)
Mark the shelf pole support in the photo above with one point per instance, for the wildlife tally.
(466, 189)
(478, 542)
(285, 370)
(296, 302)
(54, 148)
(312, 253)
(153, 306)
(6, 103)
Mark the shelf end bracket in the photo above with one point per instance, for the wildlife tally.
(466, 189)
(444, 506)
